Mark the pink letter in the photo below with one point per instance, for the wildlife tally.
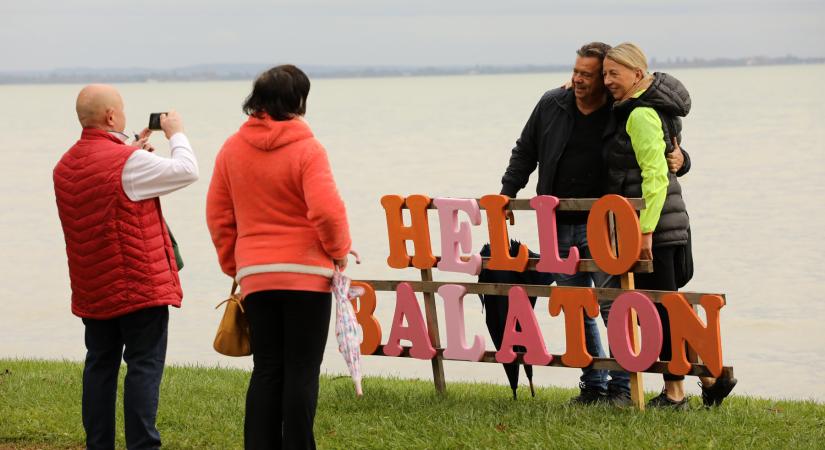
(520, 312)
(455, 233)
(618, 331)
(457, 348)
(406, 306)
(551, 262)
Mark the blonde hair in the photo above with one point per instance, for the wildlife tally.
(629, 55)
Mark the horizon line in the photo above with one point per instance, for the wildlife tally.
(234, 72)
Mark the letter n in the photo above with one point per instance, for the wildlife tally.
(687, 328)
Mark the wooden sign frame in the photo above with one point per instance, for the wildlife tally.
(428, 288)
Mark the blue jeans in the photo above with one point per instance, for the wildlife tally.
(570, 235)
(143, 333)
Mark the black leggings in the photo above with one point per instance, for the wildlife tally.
(663, 278)
(288, 335)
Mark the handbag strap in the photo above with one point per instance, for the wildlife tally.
(232, 297)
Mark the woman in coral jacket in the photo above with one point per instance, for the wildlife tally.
(280, 228)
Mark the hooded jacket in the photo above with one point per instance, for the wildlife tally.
(273, 209)
(650, 119)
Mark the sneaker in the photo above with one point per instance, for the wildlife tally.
(714, 395)
(589, 396)
(619, 398)
(662, 401)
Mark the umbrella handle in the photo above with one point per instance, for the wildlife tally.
(356, 255)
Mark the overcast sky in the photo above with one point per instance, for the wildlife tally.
(48, 34)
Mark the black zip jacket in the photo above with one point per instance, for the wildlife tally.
(543, 140)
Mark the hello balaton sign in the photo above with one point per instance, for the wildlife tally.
(634, 330)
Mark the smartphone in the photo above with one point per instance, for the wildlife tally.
(154, 120)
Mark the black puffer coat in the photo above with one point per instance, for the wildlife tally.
(671, 101)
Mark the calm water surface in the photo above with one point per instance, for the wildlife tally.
(755, 196)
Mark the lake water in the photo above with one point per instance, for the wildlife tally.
(755, 196)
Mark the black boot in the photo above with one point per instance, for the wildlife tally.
(714, 395)
(589, 396)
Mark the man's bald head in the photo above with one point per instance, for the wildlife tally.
(100, 106)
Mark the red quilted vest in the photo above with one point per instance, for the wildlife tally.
(120, 255)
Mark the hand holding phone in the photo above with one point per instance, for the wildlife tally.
(154, 121)
(171, 123)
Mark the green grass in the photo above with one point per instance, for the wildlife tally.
(202, 408)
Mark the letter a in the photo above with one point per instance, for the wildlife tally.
(520, 312)
(406, 306)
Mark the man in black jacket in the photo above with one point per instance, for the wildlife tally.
(565, 137)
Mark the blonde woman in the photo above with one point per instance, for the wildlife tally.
(647, 110)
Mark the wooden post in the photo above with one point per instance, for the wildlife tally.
(432, 328)
(637, 391)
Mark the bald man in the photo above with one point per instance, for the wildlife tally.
(121, 262)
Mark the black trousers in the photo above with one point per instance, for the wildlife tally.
(288, 331)
(143, 333)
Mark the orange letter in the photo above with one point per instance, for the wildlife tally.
(574, 302)
(499, 239)
(687, 327)
(370, 328)
(629, 234)
(418, 232)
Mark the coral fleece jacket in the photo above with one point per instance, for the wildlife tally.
(273, 210)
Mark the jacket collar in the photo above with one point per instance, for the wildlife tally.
(567, 101)
(98, 134)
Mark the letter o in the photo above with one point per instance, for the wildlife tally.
(629, 234)
(618, 331)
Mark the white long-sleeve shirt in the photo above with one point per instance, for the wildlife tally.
(147, 175)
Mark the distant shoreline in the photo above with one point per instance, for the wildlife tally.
(230, 72)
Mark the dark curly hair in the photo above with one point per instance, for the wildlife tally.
(281, 92)
(594, 50)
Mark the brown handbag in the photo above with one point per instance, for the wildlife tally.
(232, 338)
